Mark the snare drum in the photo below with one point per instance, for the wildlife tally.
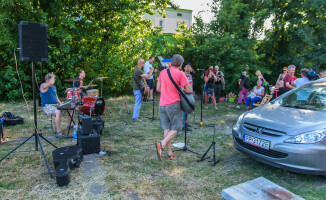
(71, 94)
(93, 106)
(92, 93)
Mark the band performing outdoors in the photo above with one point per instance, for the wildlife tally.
(164, 99)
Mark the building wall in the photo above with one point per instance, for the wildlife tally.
(169, 23)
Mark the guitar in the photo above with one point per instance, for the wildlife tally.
(146, 91)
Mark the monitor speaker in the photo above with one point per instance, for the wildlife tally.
(32, 42)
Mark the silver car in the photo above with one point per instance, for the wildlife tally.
(289, 132)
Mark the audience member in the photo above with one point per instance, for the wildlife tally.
(210, 80)
(244, 87)
(255, 95)
(219, 84)
(303, 80)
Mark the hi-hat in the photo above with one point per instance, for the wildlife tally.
(93, 85)
(102, 77)
(71, 80)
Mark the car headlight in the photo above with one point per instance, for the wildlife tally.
(308, 137)
(237, 125)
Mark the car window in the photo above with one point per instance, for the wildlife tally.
(311, 97)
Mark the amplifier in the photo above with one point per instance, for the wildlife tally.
(89, 143)
(85, 124)
(98, 125)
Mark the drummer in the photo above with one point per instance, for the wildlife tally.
(79, 83)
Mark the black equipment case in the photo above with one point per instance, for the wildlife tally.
(89, 143)
(66, 159)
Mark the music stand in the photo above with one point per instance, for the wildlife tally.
(214, 160)
(185, 148)
(36, 133)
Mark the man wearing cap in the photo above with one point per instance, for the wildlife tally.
(50, 101)
(189, 76)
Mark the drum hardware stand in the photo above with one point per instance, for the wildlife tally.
(36, 134)
(214, 160)
(201, 107)
(185, 148)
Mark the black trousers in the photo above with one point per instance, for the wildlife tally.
(218, 89)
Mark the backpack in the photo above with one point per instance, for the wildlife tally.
(11, 119)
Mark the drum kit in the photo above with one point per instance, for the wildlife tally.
(91, 104)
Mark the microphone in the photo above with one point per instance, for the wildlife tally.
(200, 69)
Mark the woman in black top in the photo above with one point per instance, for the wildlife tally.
(243, 81)
(210, 80)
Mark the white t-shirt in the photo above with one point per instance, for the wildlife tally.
(301, 81)
(147, 68)
(259, 91)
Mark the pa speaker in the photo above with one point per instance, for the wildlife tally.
(32, 42)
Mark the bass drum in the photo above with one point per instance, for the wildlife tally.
(92, 106)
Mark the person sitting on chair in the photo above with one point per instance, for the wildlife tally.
(79, 84)
(255, 95)
(50, 101)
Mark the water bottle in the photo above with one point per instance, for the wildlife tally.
(75, 132)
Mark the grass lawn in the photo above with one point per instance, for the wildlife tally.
(131, 169)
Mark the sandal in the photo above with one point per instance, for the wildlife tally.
(206, 107)
(170, 157)
(159, 150)
(59, 135)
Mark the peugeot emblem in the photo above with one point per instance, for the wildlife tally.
(260, 130)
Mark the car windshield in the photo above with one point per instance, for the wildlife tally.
(311, 97)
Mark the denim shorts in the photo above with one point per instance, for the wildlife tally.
(171, 116)
(209, 90)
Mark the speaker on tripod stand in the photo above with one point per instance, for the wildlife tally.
(33, 48)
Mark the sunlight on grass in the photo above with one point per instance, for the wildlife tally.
(131, 168)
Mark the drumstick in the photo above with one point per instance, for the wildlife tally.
(90, 82)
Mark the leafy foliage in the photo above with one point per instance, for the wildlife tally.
(103, 37)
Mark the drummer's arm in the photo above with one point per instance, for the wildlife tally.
(84, 87)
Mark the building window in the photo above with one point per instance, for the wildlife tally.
(160, 24)
(179, 14)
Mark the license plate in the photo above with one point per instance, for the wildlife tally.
(256, 141)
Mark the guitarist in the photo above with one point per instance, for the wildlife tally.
(138, 87)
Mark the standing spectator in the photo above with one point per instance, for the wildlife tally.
(170, 108)
(289, 79)
(256, 94)
(138, 85)
(281, 77)
(210, 80)
(243, 81)
(260, 76)
(150, 82)
(188, 70)
(219, 84)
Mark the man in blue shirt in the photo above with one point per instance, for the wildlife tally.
(50, 101)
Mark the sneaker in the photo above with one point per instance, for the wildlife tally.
(159, 150)
(59, 135)
(136, 120)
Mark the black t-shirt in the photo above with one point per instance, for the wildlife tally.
(210, 83)
(245, 82)
(76, 83)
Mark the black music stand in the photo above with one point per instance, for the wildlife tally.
(185, 148)
(36, 133)
(214, 160)
(153, 116)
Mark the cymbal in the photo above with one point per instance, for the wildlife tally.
(93, 85)
(71, 80)
(102, 77)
